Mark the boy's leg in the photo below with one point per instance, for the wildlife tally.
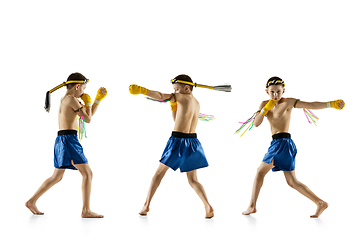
(87, 175)
(155, 182)
(262, 170)
(55, 178)
(304, 190)
(199, 189)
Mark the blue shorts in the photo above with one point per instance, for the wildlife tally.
(283, 151)
(184, 151)
(67, 147)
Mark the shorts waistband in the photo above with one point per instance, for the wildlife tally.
(67, 132)
(281, 135)
(183, 135)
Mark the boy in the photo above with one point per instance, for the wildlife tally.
(281, 154)
(183, 149)
(68, 153)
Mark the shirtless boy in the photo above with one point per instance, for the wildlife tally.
(281, 154)
(68, 152)
(183, 149)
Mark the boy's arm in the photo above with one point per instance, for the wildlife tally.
(101, 93)
(135, 89)
(158, 95)
(173, 106)
(338, 104)
(87, 113)
(80, 109)
(260, 117)
(174, 115)
(94, 108)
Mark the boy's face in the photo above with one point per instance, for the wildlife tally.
(181, 89)
(275, 91)
(79, 90)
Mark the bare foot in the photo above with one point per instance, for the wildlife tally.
(320, 208)
(32, 207)
(209, 212)
(144, 211)
(90, 214)
(249, 211)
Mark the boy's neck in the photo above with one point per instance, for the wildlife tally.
(278, 101)
(70, 92)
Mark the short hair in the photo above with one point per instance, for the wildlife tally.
(74, 76)
(186, 78)
(274, 81)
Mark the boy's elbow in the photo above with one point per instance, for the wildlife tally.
(161, 96)
(256, 124)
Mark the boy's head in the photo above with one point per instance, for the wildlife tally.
(275, 88)
(77, 87)
(182, 87)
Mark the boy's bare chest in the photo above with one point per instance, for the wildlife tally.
(279, 112)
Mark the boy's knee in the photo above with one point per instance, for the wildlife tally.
(192, 181)
(87, 174)
(260, 172)
(292, 183)
(159, 174)
(90, 174)
(57, 179)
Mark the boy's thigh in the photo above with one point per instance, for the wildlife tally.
(58, 173)
(265, 167)
(83, 168)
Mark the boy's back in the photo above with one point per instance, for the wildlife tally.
(67, 116)
(187, 114)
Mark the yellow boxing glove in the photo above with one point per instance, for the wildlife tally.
(335, 104)
(173, 106)
(100, 95)
(135, 89)
(87, 100)
(268, 107)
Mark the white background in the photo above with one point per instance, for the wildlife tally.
(312, 45)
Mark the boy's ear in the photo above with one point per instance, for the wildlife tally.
(187, 88)
(77, 86)
(267, 91)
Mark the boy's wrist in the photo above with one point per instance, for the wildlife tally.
(337, 104)
(87, 100)
(87, 105)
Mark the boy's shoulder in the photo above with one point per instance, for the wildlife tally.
(70, 101)
(180, 94)
(183, 96)
(289, 100)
